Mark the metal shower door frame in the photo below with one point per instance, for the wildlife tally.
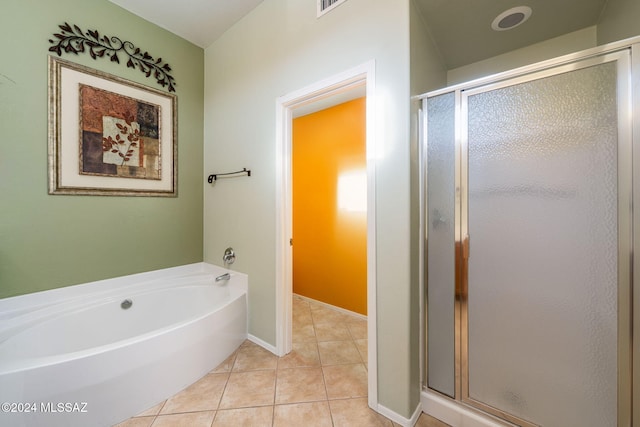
(627, 54)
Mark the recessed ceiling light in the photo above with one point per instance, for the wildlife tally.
(511, 18)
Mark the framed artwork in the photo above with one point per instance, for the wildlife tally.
(108, 135)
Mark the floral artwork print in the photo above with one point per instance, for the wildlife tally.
(119, 135)
(120, 149)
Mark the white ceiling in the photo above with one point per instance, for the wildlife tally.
(460, 28)
(199, 21)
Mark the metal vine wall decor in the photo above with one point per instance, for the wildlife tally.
(74, 40)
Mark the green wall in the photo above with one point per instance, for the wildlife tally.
(51, 241)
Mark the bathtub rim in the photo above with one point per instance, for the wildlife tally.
(26, 318)
(14, 306)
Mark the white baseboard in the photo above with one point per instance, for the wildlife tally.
(262, 344)
(399, 419)
(455, 414)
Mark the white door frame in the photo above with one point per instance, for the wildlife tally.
(356, 77)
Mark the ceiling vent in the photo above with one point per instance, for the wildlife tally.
(325, 6)
(511, 18)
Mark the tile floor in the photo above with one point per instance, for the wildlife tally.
(322, 382)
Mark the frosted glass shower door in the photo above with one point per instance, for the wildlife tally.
(441, 249)
(544, 159)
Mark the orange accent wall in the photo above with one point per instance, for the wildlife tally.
(329, 225)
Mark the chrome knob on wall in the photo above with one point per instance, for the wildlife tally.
(229, 256)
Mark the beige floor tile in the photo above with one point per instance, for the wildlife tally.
(345, 381)
(244, 417)
(428, 421)
(332, 332)
(303, 333)
(300, 306)
(363, 349)
(247, 389)
(302, 317)
(358, 329)
(303, 354)
(300, 385)
(226, 365)
(252, 357)
(300, 303)
(154, 410)
(356, 413)
(322, 314)
(302, 321)
(192, 419)
(314, 414)
(338, 353)
(203, 395)
(301, 312)
(137, 422)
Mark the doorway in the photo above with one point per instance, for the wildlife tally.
(330, 206)
(529, 244)
(318, 96)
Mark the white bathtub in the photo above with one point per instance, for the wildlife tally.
(74, 357)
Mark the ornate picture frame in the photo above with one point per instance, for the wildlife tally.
(109, 136)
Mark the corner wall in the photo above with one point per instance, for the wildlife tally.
(51, 241)
(548, 49)
(278, 48)
(620, 20)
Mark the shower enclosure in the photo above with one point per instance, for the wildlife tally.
(529, 225)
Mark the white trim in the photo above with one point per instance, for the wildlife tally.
(456, 414)
(372, 297)
(360, 75)
(262, 343)
(283, 228)
(399, 419)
